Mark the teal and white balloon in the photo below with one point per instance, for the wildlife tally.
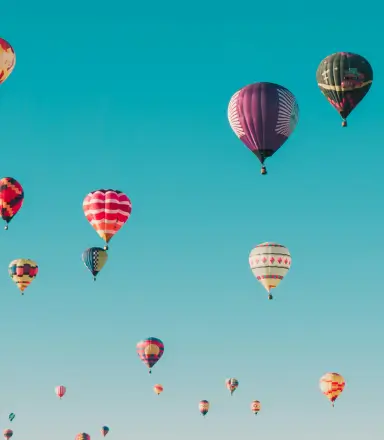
(94, 259)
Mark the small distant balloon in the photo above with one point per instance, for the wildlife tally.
(158, 389)
(104, 431)
(11, 417)
(83, 436)
(8, 433)
(7, 60)
(150, 351)
(332, 385)
(60, 391)
(11, 198)
(94, 259)
(269, 263)
(204, 407)
(23, 271)
(232, 384)
(255, 407)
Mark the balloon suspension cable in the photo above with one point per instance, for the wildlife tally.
(270, 296)
(344, 123)
(263, 170)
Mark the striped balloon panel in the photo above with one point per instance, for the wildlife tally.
(60, 390)
(255, 406)
(11, 198)
(83, 436)
(204, 407)
(94, 259)
(332, 385)
(270, 263)
(7, 60)
(22, 272)
(107, 210)
(150, 351)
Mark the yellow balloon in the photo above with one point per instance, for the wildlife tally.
(23, 272)
(332, 385)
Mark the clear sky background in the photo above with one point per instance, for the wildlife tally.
(134, 97)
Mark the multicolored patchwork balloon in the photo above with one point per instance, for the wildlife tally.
(83, 436)
(107, 210)
(23, 271)
(158, 389)
(11, 198)
(255, 407)
(60, 391)
(7, 60)
(104, 430)
(344, 78)
(263, 115)
(332, 385)
(204, 407)
(270, 262)
(150, 351)
(94, 259)
(232, 384)
(8, 433)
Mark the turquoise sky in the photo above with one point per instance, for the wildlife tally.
(134, 97)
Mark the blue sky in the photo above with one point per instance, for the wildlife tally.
(134, 97)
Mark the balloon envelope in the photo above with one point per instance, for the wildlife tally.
(269, 263)
(203, 407)
(23, 271)
(11, 198)
(263, 115)
(344, 78)
(332, 385)
(104, 431)
(7, 60)
(107, 210)
(94, 259)
(150, 351)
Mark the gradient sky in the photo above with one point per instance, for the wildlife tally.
(134, 97)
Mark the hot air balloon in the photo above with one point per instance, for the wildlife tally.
(232, 384)
(255, 407)
(23, 272)
(107, 210)
(94, 259)
(60, 391)
(344, 78)
(83, 436)
(150, 351)
(204, 407)
(158, 389)
(263, 116)
(332, 385)
(269, 263)
(7, 60)
(8, 433)
(11, 417)
(104, 431)
(11, 198)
